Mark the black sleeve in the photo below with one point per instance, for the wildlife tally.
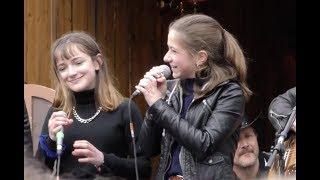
(45, 139)
(281, 107)
(150, 137)
(151, 134)
(224, 120)
(125, 167)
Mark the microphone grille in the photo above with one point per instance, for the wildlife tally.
(165, 70)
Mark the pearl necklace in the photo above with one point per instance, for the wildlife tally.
(75, 114)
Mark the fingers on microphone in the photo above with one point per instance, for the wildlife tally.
(149, 77)
(57, 122)
(58, 114)
(141, 89)
(57, 129)
(68, 121)
(154, 70)
(155, 74)
(61, 120)
(143, 82)
(161, 79)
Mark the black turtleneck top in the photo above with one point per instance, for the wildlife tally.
(108, 131)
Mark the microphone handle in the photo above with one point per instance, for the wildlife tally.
(135, 93)
(59, 137)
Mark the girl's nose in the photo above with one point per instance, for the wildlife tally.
(71, 71)
(167, 58)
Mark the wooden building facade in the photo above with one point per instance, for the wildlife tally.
(133, 35)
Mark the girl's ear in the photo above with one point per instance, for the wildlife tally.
(98, 63)
(202, 57)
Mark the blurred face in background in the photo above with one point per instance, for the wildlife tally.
(247, 152)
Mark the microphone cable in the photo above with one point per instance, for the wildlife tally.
(59, 140)
(56, 168)
(133, 139)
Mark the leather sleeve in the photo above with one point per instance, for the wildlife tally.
(225, 118)
(281, 107)
(150, 137)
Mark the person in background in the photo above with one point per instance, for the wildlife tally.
(249, 161)
(281, 109)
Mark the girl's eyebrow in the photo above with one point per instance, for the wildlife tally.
(75, 57)
(71, 59)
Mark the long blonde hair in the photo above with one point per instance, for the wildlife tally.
(225, 57)
(106, 95)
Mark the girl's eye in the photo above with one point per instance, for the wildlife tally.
(78, 62)
(61, 68)
(173, 50)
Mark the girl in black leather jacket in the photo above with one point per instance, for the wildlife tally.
(193, 121)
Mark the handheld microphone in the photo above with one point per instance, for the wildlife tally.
(164, 69)
(59, 137)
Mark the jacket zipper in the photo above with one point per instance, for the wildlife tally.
(169, 158)
(181, 164)
(168, 162)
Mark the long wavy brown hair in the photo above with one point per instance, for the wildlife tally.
(106, 95)
(225, 57)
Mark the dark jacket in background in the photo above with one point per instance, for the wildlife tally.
(281, 108)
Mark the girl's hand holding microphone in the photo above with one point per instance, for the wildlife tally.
(153, 86)
(56, 121)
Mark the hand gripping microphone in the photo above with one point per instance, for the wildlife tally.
(59, 137)
(164, 69)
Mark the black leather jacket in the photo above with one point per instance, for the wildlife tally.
(281, 108)
(208, 134)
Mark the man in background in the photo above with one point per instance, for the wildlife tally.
(249, 162)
